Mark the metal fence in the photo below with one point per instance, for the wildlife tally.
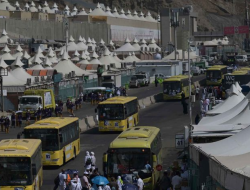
(90, 83)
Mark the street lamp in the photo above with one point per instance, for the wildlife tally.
(174, 22)
(3, 72)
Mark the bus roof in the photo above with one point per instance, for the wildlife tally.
(18, 147)
(245, 68)
(136, 137)
(176, 78)
(216, 67)
(240, 72)
(52, 123)
(118, 100)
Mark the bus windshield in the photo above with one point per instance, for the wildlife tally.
(15, 171)
(140, 76)
(171, 88)
(49, 137)
(213, 74)
(129, 161)
(111, 112)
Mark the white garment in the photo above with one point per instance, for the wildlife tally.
(140, 184)
(118, 93)
(76, 186)
(197, 90)
(184, 175)
(176, 180)
(106, 187)
(119, 184)
(93, 159)
(86, 158)
(62, 178)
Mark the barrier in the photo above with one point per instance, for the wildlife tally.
(141, 105)
(152, 99)
(90, 121)
(83, 126)
(146, 101)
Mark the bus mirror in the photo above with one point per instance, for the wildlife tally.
(34, 169)
(60, 138)
(105, 157)
(154, 158)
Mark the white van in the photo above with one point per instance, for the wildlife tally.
(241, 58)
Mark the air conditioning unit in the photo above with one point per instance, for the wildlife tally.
(73, 74)
(36, 79)
(70, 75)
(49, 78)
(42, 78)
(66, 76)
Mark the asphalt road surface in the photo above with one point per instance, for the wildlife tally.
(168, 116)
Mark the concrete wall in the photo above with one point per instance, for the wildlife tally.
(5, 13)
(20, 15)
(55, 30)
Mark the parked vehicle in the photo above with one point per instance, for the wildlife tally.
(139, 79)
(160, 75)
(241, 58)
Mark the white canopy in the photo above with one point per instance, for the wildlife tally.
(108, 12)
(17, 63)
(82, 12)
(115, 13)
(4, 4)
(47, 62)
(117, 58)
(98, 11)
(234, 99)
(122, 14)
(107, 59)
(4, 37)
(129, 59)
(129, 16)
(36, 67)
(21, 75)
(179, 55)
(25, 55)
(135, 14)
(7, 57)
(65, 66)
(135, 58)
(224, 117)
(150, 18)
(127, 47)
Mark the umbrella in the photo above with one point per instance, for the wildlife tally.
(70, 171)
(100, 180)
(129, 187)
(19, 111)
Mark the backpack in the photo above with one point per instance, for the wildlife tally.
(56, 180)
(88, 162)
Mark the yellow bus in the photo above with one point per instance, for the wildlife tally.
(118, 113)
(173, 86)
(215, 74)
(21, 164)
(135, 151)
(60, 139)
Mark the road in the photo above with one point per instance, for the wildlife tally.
(168, 116)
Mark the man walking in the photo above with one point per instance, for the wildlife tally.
(62, 180)
(197, 93)
(140, 183)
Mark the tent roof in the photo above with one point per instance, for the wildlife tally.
(6, 49)
(150, 18)
(53, 59)
(26, 55)
(19, 49)
(82, 12)
(47, 62)
(108, 12)
(11, 80)
(228, 104)
(179, 55)
(17, 62)
(84, 61)
(66, 66)
(4, 39)
(18, 54)
(36, 67)
(36, 59)
(135, 58)
(129, 59)
(7, 56)
(4, 4)
(94, 55)
(115, 13)
(126, 47)
(117, 58)
(21, 74)
(122, 14)
(3, 64)
(224, 117)
(95, 61)
(76, 53)
(218, 128)
(98, 11)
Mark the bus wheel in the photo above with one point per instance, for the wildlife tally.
(74, 153)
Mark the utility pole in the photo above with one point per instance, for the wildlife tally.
(174, 21)
(190, 84)
(247, 23)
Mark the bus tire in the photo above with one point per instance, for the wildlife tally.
(74, 153)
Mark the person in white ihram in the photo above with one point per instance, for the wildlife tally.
(76, 183)
(119, 183)
(140, 183)
(62, 180)
(88, 161)
(93, 160)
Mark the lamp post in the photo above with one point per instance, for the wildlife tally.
(174, 23)
(190, 88)
(3, 72)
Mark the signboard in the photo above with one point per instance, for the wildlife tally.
(231, 79)
(120, 33)
(180, 141)
(57, 77)
(4, 93)
(236, 30)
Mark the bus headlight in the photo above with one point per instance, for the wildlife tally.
(121, 127)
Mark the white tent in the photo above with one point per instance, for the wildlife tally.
(153, 47)
(74, 12)
(25, 55)
(150, 18)
(141, 16)
(84, 58)
(65, 66)
(129, 16)
(135, 58)
(75, 56)
(17, 63)
(67, 10)
(19, 52)
(54, 8)
(107, 59)
(81, 45)
(82, 12)
(108, 12)
(127, 47)
(122, 14)
(4, 37)
(115, 13)
(98, 11)
(135, 15)
(71, 45)
(136, 45)
(95, 60)
(32, 7)
(4, 4)
(116, 58)
(224, 117)
(234, 99)
(22, 75)
(39, 54)
(179, 55)
(46, 8)
(129, 59)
